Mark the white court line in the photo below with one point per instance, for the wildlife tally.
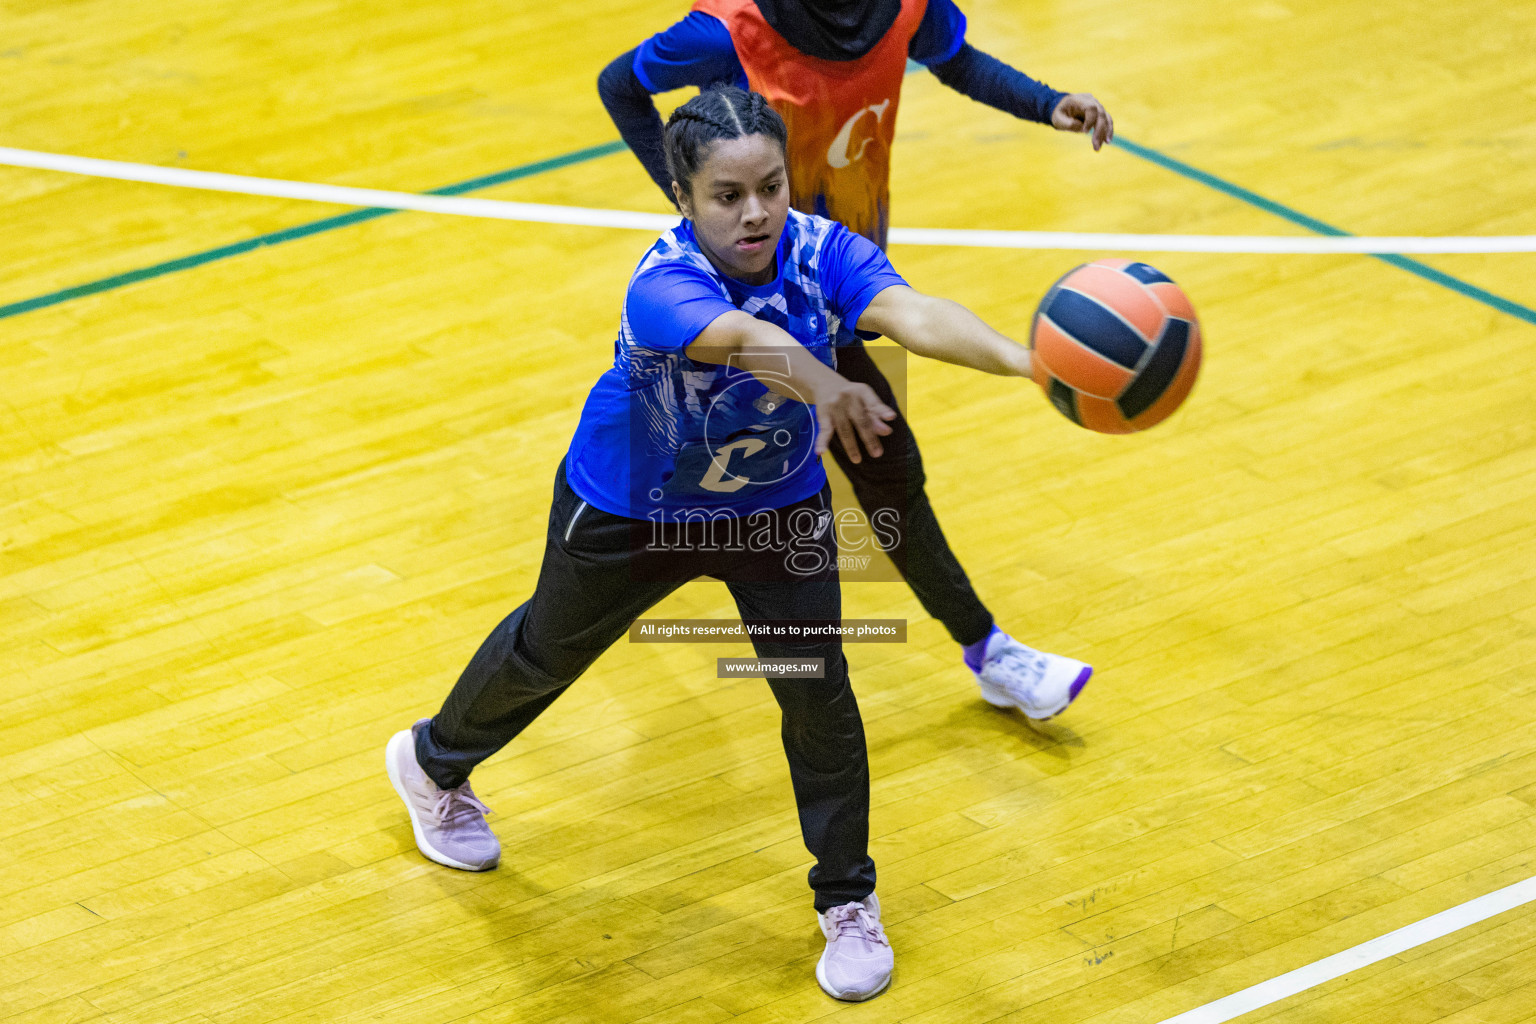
(1363, 955)
(340, 194)
(583, 216)
(1253, 244)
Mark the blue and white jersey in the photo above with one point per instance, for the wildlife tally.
(662, 432)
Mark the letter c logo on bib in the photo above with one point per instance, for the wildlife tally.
(837, 153)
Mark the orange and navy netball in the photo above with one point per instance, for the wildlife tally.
(1116, 346)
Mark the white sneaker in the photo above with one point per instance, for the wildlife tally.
(449, 824)
(857, 962)
(1040, 685)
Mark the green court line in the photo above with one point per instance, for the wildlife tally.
(301, 231)
(1413, 266)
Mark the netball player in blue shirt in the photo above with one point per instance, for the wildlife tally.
(696, 454)
(834, 70)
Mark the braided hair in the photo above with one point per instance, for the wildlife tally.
(720, 112)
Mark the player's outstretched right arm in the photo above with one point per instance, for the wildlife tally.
(942, 329)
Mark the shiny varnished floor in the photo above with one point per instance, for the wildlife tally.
(257, 513)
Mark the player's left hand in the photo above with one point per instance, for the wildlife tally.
(1080, 112)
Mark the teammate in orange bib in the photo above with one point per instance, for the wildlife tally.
(833, 70)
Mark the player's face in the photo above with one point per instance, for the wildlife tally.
(739, 202)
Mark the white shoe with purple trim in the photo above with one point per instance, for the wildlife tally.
(1039, 684)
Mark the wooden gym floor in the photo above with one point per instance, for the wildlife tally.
(257, 513)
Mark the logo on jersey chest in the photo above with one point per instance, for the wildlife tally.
(839, 154)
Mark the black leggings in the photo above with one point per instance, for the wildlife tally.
(596, 579)
(895, 480)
